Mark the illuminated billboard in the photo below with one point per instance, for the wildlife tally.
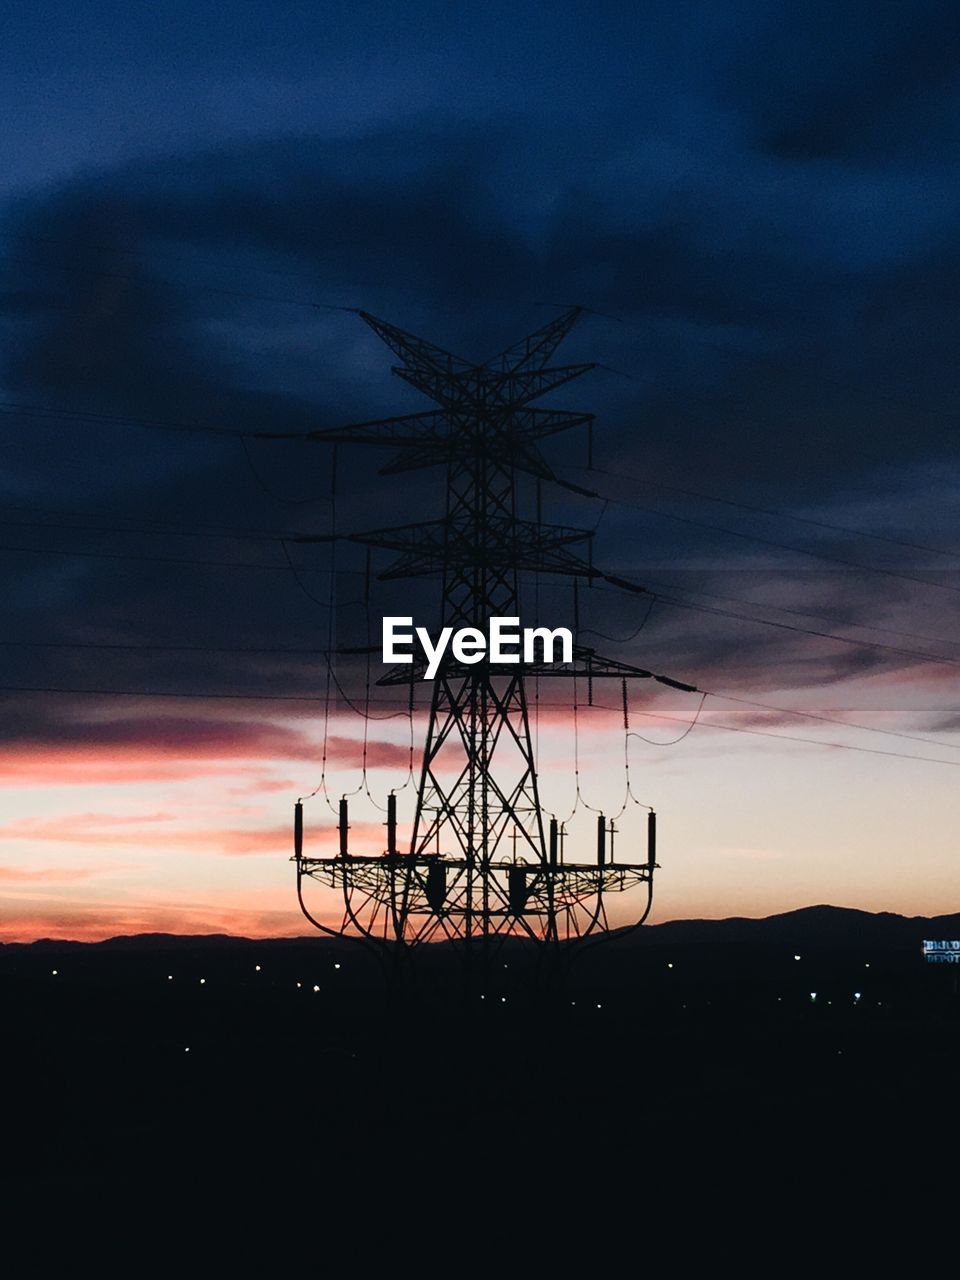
(941, 952)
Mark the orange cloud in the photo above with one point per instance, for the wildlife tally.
(93, 922)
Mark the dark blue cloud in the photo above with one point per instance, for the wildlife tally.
(759, 208)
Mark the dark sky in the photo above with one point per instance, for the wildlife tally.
(758, 204)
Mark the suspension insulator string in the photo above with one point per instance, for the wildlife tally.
(536, 723)
(331, 629)
(536, 678)
(626, 751)
(409, 778)
(321, 787)
(576, 741)
(364, 778)
(627, 792)
(579, 796)
(576, 760)
(410, 745)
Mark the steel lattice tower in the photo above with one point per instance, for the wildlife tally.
(481, 863)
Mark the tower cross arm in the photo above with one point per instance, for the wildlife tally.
(535, 350)
(498, 391)
(409, 430)
(416, 353)
(509, 541)
(588, 664)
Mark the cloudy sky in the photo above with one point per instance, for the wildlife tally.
(758, 208)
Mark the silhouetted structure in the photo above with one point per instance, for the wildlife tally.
(482, 863)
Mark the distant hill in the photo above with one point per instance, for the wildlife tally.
(819, 926)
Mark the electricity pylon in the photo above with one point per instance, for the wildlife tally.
(481, 864)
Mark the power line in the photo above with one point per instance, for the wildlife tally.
(585, 492)
(809, 715)
(145, 559)
(157, 532)
(809, 631)
(674, 742)
(193, 287)
(934, 659)
(268, 489)
(366, 714)
(785, 737)
(592, 631)
(804, 613)
(47, 415)
(848, 724)
(154, 281)
(165, 693)
(749, 537)
(871, 394)
(161, 528)
(191, 261)
(724, 348)
(268, 697)
(616, 581)
(361, 650)
(282, 538)
(187, 260)
(622, 584)
(778, 515)
(44, 413)
(148, 647)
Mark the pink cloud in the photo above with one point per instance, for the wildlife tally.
(22, 875)
(170, 748)
(265, 786)
(349, 753)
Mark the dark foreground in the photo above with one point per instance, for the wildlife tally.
(678, 1069)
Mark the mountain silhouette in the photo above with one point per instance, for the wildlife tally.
(816, 926)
